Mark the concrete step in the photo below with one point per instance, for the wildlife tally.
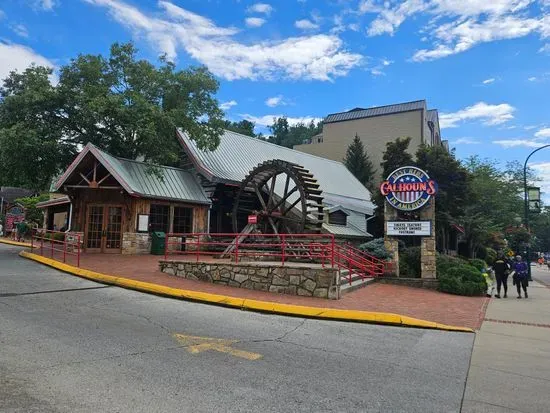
(356, 282)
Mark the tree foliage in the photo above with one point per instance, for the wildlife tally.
(358, 163)
(396, 156)
(244, 127)
(284, 134)
(33, 214)
(124, 105)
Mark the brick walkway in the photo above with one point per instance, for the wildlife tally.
(413, 302)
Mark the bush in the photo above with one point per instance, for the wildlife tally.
(409, 262)
(376, 248)
(462, 279)
(58, 236)
(444, 262)
(478, 263)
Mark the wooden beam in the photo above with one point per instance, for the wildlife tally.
(104, 178)
(84, 177)
(88, 187)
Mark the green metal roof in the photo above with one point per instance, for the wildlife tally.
(136, 178)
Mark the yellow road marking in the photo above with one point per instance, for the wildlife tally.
(196, 345)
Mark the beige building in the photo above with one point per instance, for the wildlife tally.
(376, 127)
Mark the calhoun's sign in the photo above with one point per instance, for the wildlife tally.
(408, 188)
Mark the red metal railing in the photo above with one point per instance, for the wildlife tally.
(58, 245)
(277, 247)
(320, 248)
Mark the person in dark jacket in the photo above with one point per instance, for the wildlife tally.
(501, 269)
(521, 276)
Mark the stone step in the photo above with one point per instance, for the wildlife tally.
(356, 283)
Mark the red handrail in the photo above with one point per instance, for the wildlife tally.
(58, 244)
(279, 247)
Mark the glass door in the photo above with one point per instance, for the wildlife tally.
(104, 229)
(94, 229)
(113, 226)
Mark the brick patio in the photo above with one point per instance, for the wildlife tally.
(413, 302)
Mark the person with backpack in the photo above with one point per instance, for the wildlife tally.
(501, 269)
(521, 276)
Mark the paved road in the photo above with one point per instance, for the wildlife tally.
(70, 345)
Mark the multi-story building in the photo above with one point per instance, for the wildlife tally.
(376, 127)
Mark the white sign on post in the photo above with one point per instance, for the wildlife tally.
(414, 228)
(143, 223)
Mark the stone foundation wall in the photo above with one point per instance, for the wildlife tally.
(294, 280)
(136, 243)
(427, 283)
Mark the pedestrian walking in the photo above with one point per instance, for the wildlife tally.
(501, 269)
(521, 276)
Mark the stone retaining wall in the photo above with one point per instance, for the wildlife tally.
(136, 243)
(427, 283)
(294, 280)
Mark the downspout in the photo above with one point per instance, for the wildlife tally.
(70, 217)
(208, 219)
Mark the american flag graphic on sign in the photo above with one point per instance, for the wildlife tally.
(408, 196)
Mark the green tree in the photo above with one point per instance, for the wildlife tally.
(396, 156)
(33, 214)
(244, 127)
(358, 163)
(130, 108)
(32, 145)
(453, 186)
(287, 135)
(124, 105)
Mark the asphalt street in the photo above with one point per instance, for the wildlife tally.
(71, 345)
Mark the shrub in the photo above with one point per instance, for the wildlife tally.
(444, 262)
(409, 262)
(462, 279)
(58, 236)
(376, 248)
(478, 263)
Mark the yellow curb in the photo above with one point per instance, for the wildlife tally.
(245, 304)
(18, 244)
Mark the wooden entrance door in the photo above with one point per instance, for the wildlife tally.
(104, 228)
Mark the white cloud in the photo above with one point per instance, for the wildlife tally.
(228, 105)
(45, 4)
(532, 79)
(457, 25)
(20, 30)
(542, 170)
(254, 21)
(2, 14)
(466, 141)
(545, 49)
(305, 24)
(513, 143)
(261, 8)
(19, 57)
(267, 120)
(459, 36)
(488, 81)
(316, 57)
(275, 101)
(488, 114)
(543, 133)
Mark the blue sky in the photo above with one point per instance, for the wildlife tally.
(484, 64)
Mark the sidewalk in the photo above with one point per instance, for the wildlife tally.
(510, 366)
(412, 302)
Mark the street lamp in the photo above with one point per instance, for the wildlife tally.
(526, 205)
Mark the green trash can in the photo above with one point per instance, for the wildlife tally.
(158, 242)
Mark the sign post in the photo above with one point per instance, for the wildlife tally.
(410, 190)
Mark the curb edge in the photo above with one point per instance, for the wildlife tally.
(248, 304)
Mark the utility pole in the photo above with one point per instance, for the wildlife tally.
(526, 206)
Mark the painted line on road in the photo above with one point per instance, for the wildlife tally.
(15, 243)
(196, 345)
(246, 304)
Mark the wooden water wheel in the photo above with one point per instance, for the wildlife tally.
(285, 198)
